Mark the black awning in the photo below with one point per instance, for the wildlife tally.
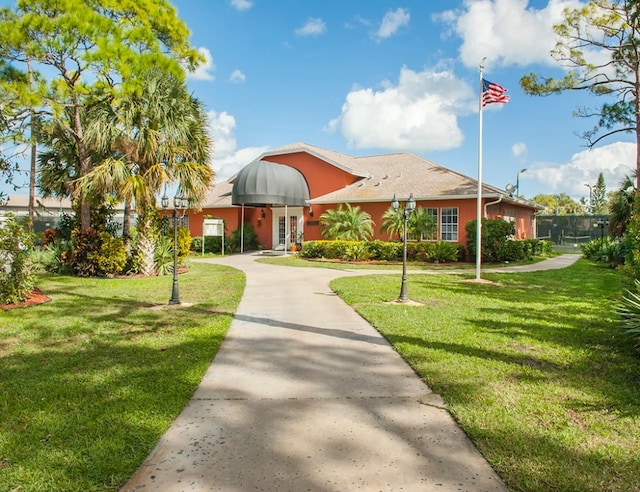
(264, 182)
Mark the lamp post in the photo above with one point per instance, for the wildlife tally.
(601, 224)
(409, 207)
(179, 202)
(518, 181)
(590, 197)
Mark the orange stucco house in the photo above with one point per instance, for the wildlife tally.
(283, 193)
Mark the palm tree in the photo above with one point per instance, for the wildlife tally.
(419, 223)
(393, 222)
(155, 137)
(346, 223)
(621, 206)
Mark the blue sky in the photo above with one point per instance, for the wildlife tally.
(371, 77)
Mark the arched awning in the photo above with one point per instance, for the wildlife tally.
(263, 182)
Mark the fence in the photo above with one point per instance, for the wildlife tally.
(571, 229)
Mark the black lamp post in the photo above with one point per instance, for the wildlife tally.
(601, 224)
(409, 207)
(179, 202)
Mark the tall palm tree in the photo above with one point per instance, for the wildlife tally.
(156, 137)
(346, 223)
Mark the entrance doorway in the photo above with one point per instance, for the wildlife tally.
(287, 226)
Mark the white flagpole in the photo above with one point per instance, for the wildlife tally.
(479, 205)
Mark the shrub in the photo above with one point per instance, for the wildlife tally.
(385, 250)
(250, 239)
(184, 244)
(87, 245)
(163, 256)
(629, 311)
(443, 252)
(506, 251)
(356, 252)
(16, 279)
(111, 258)
(494, 232)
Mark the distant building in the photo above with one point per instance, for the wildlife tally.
(47, 211)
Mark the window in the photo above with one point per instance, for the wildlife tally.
(432, 213)
(184, 221)
(449, 225)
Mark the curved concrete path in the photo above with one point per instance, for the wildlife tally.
(304, 395)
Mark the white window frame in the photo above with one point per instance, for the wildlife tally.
(449, 228)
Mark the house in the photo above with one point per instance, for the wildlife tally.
(283, 193)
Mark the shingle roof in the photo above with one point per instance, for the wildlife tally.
(382, 176)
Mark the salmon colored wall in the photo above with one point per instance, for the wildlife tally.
(466, 212)
(321, 177)
(312, 231)
(524, 218)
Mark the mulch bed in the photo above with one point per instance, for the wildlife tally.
(36, 297)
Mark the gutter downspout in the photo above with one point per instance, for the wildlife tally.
(491, 203)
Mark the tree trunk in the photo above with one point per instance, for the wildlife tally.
(84, 159)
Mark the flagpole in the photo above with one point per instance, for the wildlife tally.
(479, 200)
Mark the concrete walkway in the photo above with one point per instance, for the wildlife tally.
(304, 395)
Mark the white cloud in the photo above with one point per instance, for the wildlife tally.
(241, 4)
(237, 77)
(418, 114)
(519, 149)
(313, 27)
(205, 69)
(227, 159)
(614, 161)
(391, 22)
(507, 32)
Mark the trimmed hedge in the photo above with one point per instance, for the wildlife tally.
(424, 252)
(377, 250)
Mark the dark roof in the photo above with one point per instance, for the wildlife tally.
(264, 182)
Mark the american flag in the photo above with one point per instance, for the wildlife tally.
(493, 93)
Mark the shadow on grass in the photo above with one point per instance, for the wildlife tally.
(91, 380)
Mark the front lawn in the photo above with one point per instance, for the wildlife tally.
(533, 366)
(90, 381)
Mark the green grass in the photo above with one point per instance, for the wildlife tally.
(91, 380)
(533, 366)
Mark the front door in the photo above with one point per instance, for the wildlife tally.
(288, 222)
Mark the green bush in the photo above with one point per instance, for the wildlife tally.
(16, 278)
(87, 246)
(250, 239)
(385, 250)
(507, 251)
(111, 257)
(494, 232)
(184, 244)
(629, 311)
(212, 244)
(444, 252)
(163, 256)
(312, 249)
(356, 252)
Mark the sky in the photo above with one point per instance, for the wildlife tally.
(376, 76)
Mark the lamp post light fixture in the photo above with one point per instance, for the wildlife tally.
(518, 181)
(409, 207)
(590, 197)
(179, 202)
(601, 223)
